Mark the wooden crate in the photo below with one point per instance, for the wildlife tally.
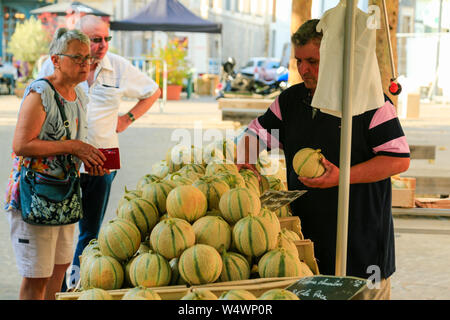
(404, 198)
(306, 254)
(166, 293)
(292, 223)
(255, 286)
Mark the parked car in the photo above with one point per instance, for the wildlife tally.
(268, 71)
(252, 66)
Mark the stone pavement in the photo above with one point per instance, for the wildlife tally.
(422, 258)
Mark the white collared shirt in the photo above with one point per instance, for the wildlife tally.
(115, 77)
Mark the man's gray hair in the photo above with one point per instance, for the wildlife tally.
(63, 36)
(306, 33)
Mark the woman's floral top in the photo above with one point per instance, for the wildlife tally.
(52, 129)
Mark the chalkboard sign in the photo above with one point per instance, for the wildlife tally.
(274, 200)
(328, 287)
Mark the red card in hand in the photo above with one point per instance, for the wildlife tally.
(112, 158)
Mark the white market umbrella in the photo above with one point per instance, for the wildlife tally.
(346, 140)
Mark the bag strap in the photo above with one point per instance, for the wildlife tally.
(60, 107)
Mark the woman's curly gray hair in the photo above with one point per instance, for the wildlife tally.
(63, 36)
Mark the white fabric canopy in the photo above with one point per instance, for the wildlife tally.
(367, 92)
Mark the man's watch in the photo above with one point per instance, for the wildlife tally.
(130, 115)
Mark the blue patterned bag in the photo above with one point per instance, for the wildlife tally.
(47, 200)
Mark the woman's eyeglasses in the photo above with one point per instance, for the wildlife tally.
(99, 39)
(79, 59)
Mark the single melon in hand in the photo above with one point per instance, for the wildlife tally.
(307, 163)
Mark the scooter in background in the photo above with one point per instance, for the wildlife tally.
(232, 81)
(270, 87)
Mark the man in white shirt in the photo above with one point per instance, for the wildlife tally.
(110, 78)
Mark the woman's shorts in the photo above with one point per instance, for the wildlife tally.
(39, 248)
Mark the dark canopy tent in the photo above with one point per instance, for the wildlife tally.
(166, 15)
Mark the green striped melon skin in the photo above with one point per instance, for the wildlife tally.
(143, 213)
(186, 202)
(213, 231)
(156, 192)
(233, 179)
(91, 248)
(278, 294)
(128, 195)
(102, 272)
(271, 217)
(193, 167)
(237, 294)
(176, 279)
(307, 163)
(150, 270)
(199, 294)
(160, 169)
(213, 189)
(148, 178)
(95, 294)
(200, 264)
(254, 236)
(174, 159)
(251, 180)
(141, 293)
(238, 203)
(217, 166)
(119, 238)
(171, 236)
(126, 268)
(275, 183)
(279, 263)
(178, 180)
(235, 267)
(221, 150)
(290, 234)
(283, 212)
(286, 243)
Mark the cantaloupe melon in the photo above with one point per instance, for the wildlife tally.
(95, 294)
(213, 231)
(171, 237)
(237, 294)
(150, 270)
(157, 192)
(142, 213)
(119, 238)
(307, 163)
(280, 263)
(200, 264)
(254, 235)
(186, 202)
(213, 189)
(238, 203)
(102, 272)
(235, 267)
(199, 294)
(141, 293)
(278, 294)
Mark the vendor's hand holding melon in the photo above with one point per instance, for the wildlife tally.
(307, 163)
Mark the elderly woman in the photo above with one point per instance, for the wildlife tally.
(43, 253)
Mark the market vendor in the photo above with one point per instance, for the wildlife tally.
(379, 150)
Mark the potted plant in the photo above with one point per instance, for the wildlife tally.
(28, 43)
(174, 53)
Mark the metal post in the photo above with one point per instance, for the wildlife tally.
(346, 141)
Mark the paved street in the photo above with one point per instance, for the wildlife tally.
(423, 259)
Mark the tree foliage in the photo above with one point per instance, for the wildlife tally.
(29, 41)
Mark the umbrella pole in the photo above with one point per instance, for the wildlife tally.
(346, 140)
